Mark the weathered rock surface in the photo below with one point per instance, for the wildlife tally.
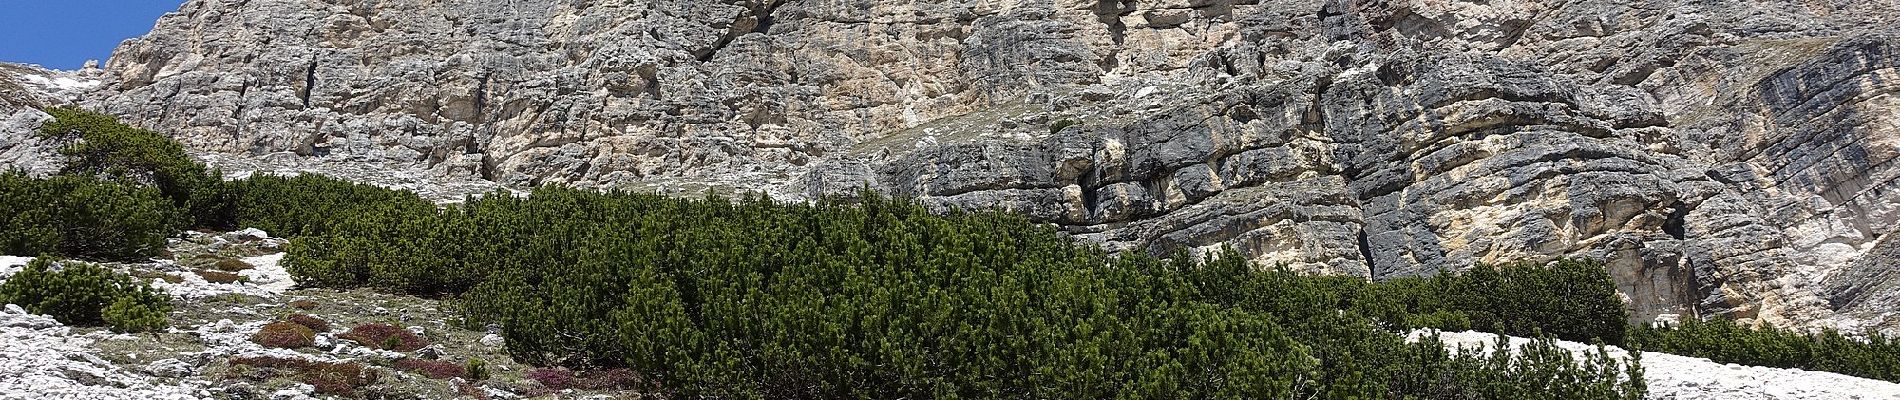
(1725, 157)
(24, 91)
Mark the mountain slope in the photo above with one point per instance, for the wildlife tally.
(1725, 157)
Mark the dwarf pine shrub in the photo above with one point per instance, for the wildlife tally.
(83, 217)
(1723, 340)
(881, 298)
(99, 146)
(77, 293)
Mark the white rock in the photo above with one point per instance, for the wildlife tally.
(323, 342)
(493, 340)
(298, 391)
(170, 367)
(51, 363)
(253, 233)
(21, 319)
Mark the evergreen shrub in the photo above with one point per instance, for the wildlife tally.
(882, 298)
(1723, 340)
(77, 293)
(82, 217)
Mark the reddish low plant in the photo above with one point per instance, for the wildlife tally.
(470, 391)
(555, 379)
(338, 378)
(333, 378)
(232, 265)
(386, 337)
(218, 276)
(284, 334)
(431, 368)
(314, 323)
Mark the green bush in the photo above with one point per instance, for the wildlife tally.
(753, 298)
(78, 293)
(102, 147)
(1568, 299)
(135, 314)
(1723, 340)
(81, 217)
(311, 205)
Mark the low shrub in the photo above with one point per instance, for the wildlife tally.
(553, 378)
(1568, 299)
(314, 205)
(1873, 357)
(99, 146)
(601, 379)
(218, 276)
(885, 299)
(314, 323)
(475, 369)
(78, 293)
(232, 265)
(470, 391)
(340, 379)
(131, 314)
(284, 334)
(432, 368)
(385, 337)
(82, 217)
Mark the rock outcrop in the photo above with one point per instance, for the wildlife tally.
(1724, 157)
(24, 91)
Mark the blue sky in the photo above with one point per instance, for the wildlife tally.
(63, 34)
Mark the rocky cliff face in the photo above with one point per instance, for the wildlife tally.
(24, 91)
(1725, 157)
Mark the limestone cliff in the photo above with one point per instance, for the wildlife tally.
(1725, 157)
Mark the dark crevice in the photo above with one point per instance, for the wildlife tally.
(1365, 253)
(1089, 196)
(1674, 224)
(1314, 119)
(309, 83)
(237, 116)
(760, 14)
(488, 168)
(765, 23)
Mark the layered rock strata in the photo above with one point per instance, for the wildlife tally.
(1724, 157)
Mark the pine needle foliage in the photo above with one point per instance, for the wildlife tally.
(78, 216)
(880, 298)
(77, 293)
(99, 146)
(1723, 340)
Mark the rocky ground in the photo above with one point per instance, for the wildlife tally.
(209, 351)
